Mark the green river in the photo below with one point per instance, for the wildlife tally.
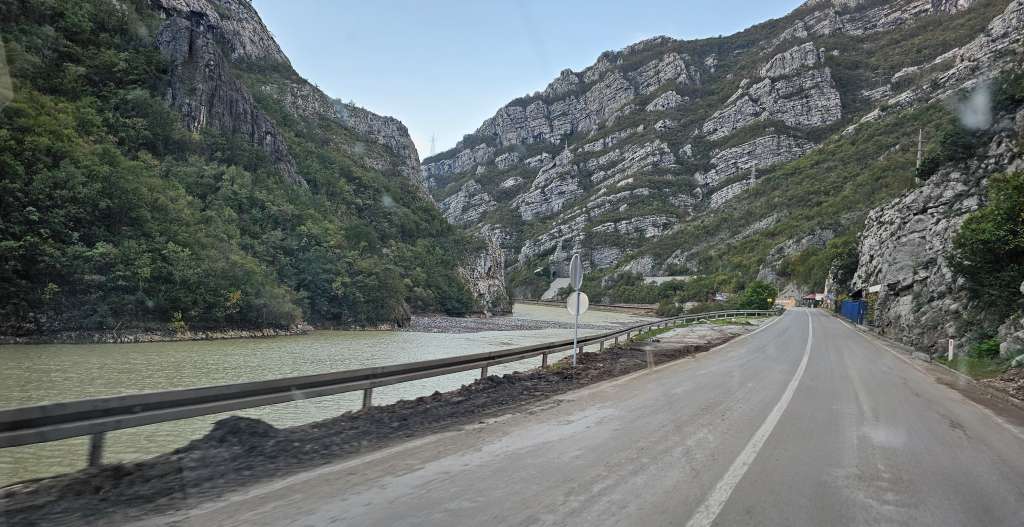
(40, 373)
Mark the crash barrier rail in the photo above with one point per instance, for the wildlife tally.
(94, 417)
(559, 303)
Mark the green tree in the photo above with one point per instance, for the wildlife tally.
(758, 295)
(988, 252)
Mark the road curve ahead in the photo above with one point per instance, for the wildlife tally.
(804, 422)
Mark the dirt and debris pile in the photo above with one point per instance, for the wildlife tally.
(1011, 381)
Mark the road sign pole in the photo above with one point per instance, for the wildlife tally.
(575, 330)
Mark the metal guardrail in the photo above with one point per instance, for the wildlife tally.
(94, 417)
(560, 303)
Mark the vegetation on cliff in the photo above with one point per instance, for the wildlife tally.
(115, 216)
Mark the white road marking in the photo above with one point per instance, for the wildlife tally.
(714, 502)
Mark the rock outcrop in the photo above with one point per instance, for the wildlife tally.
(557, 183)
(468, 205)
(793, 60)
(806, 100)
(904, 245)
(439, 173)
(236, 24)
(839, 16)
(641, 226)
(202, 88)
(205, 41)
(726, 193)
(386, 131)
(665, 101)
(625, 162)
(484, 272)
(670, 68)
(762, 152)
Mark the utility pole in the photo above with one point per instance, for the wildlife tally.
(920, 143)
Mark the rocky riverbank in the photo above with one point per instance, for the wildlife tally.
(129, 336)
(418, 323)
(443, 324)
(239, 451)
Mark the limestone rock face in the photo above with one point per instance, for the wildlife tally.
(643, 226)
(726, 193)
(439, 173)
(507, 160)
(603, 204)
(904, 245)
(838, 16)
(791, 61)
(805, 100)
(202, 38)
(386, 131)
(468, 205)
(513, 181)
(762, 152)
(556, 183)
(484, 272)
(670, 68)
(605, 257)
(643, 266)
(612, 138)
(630, 161)
(1000, 43)
(539, 121)
(669, 99)
(564, 238)
(236, 24)
(204, 91)
(1011, 337)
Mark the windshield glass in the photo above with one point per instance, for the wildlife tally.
(584, 263)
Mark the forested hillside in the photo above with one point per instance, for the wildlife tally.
(164, 166)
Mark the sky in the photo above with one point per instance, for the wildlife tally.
(443, 66)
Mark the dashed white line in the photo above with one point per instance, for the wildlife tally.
(714, 502)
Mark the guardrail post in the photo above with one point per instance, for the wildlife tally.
(483, 372)
(544, 360)
(616, 341)
(650, 359)
(367, 398)
(602, 347)
(96, 449)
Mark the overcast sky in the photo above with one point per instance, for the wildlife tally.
(442, 66)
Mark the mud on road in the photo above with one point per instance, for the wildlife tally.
(240, 451)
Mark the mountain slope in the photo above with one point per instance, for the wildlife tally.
(742, 155)
(163, 164)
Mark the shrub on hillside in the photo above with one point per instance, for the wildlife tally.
(758, 295)
(988, 252)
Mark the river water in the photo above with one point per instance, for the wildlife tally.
(34, 374)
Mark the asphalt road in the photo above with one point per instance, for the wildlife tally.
(804, 422)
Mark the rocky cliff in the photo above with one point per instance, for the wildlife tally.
(906, 243)
(719, 154)
(202, 87)
(210, 41)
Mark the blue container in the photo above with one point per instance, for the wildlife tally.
(854, 310)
